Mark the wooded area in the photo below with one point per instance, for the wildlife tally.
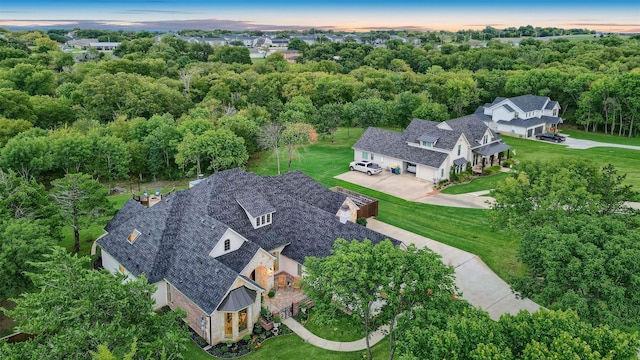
(146, 109)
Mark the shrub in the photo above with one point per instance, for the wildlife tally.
(508, 163)
(271, 293)
(491, 170)
(361, 221)
(277, 319)
(246, 337)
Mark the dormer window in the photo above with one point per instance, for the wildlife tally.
(133, 236)
(428, 140)
(258, 209)
(227, 245)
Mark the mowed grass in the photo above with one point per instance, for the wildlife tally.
(477, 184)
(626, 161)
(466, 229)
(293, 347)
(344, 328)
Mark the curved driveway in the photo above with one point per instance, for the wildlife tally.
(477, 282)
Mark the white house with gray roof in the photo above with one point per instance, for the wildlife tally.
(433, 150)
(523, 116)
(214, 248)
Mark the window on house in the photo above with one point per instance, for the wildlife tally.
(516, 115)
(259, 221)
(555, 112)
(133, 236)
(269, 218)
(365, 155)
(299, 269)
(227, 245)
(242, 320)
(441, 173)
(485, 139)
(427, 143)
(372, 157)
(169, 294)
(459, 149)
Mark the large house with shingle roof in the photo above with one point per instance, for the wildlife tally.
(523, 116)
(433, 150)
(213, 249)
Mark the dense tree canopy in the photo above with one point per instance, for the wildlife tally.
(578, 239)
(76, 309)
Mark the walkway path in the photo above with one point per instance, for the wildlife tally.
(478, 284)
(312, 339)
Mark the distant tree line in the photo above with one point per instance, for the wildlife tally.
(136, 109)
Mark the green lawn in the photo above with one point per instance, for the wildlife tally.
(477, 184)
(293, 347)
(343, 330)
(613, 139)
(627, 161)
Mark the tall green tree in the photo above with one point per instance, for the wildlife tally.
(378, 284)
(76, 309)
(22, 242)
(79, 199)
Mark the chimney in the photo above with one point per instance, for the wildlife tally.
(345, 213)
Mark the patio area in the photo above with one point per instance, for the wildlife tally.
(288, 293)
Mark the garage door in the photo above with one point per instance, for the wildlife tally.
(538, 130)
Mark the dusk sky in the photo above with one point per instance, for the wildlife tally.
(359, 15)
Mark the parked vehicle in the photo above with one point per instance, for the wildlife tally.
(551, 137)
(411, 168)
(366, 167)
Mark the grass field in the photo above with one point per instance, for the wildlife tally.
(477, 184)
(627, 161)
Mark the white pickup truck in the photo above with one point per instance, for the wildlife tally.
(365, 166)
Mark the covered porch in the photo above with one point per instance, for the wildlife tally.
(490, 155)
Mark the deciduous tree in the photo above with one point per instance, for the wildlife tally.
(79, 199)
(76, 309)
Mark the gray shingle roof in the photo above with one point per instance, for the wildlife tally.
(491, 149)
(551, 105)
(447, 139)
(391, 143)
(530, 102)
(179, 232)
(302, 187)
(254, 204)
(472, 126)
(428, 138)
(506, 106)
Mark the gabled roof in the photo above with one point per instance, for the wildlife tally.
(447, 139)
(551, 105)
(301, 187)
(238, 299)
(391, 143)
(472, 126)
(529, 102)
(178, 233)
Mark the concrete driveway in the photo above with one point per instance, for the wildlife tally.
(406, 186)
(573, 143)
(478, 284)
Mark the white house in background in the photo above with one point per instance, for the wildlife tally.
(523, 116)
(213, 249)
(433, 150)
